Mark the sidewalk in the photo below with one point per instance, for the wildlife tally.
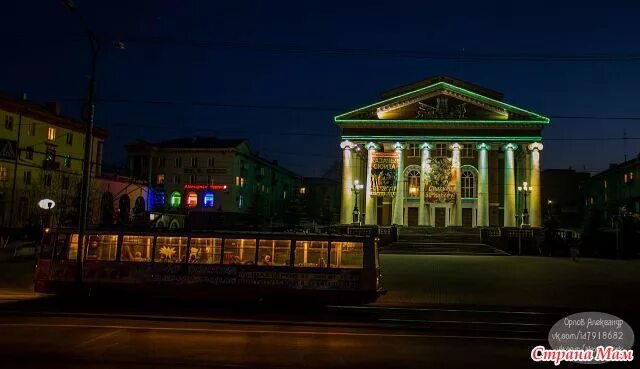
(526, 282)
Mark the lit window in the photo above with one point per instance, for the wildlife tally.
(240, 201)
(192, 199)
(51, 134)
(346, 254)
(413, 183)
(274, 252)
(414, 150)
(176, 199)
(171, 249)
(303, 190)
(208, 199)
(4, 174)
(205, 250)
(160, 179)
(468, 184)
(239, 251)
(311, 254)
(136, 248)
(102, 247)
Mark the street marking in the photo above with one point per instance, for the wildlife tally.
(220, 330)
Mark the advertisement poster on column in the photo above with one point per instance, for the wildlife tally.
(440, 186)
(384, 173)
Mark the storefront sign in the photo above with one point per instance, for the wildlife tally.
(384, 173)
(441, 182)
(205, 187)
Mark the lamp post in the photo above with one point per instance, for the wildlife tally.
(525, 190)
(357, 187)
(88, 116)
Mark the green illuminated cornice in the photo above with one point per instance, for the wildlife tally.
(445, 138)
(536, 118)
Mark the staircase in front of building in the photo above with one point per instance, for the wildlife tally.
(440, 241)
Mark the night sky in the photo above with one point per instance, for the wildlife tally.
(277, 72)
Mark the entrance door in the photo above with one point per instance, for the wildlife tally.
(412, 216)
(441, 213)
(467, 217)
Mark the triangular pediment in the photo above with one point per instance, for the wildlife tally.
(441, 102)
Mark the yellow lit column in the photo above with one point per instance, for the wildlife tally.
(535, 213)
(398, 201)
(346, 206)
(509, 185)
(424, 173)
(483, 184)
(370, 201)
(455, 168)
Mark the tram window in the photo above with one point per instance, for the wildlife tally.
(171, 249)
(311, 253)
(346, 254)
(73, 247)
(274, 252)
(205, 250)
(239, 251)
(102, 247)
(136, 248)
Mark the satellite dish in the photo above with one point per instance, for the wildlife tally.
(46, 204)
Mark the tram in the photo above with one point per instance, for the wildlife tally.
(218, 265)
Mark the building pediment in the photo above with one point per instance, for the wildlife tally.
(438, 103)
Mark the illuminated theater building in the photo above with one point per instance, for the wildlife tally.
(441, 152)
(208, 174)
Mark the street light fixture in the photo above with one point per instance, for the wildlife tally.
(525, 189)
(357, 187)
(88, 115)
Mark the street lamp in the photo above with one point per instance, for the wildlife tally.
(357, 187)
(88, 115)
(525, 189)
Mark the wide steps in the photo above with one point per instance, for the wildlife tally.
(440, 248)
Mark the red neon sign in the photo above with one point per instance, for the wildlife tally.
(205, 187)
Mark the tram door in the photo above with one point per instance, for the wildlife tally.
(440, 215)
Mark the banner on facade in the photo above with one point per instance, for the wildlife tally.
(440, 186)
(384, 173)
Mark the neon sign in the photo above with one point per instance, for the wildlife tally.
(204, 187)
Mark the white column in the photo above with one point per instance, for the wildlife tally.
(371, 211)
(535, 213)
(483, 184)
(346, 206)
(398, 201)
(509, 185)
(425, 170)
(455, 168)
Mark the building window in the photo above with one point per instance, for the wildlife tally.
(413, 183)
(605, 183)
(192, 199)
(211, 162)
(69, 138)
(467, 151)
(208, 200)
(440, 150)
(28, 154)
(27, 177)
(192, 179)
(4, 174)
(67, 161)
(194, 162)
(263, 171)
(51, 134)
(240, 181)
(176, 198)
(48, 178)
(31, 129)
(162, 163)
(178, 162)
(240, 201)
(628, 177)
(160, 179)
(176, 179)
(303, 190)
(51, 153)
(468, 184)
(414, 150)
(65, 183)
(8, 122)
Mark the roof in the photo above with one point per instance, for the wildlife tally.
(496, 95)
(200, 143)
(40, 112)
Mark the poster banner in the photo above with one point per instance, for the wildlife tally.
(440, 186)
(384, 173)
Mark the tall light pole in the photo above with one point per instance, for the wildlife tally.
(357, 187)
(525, 190)
(88, 116)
